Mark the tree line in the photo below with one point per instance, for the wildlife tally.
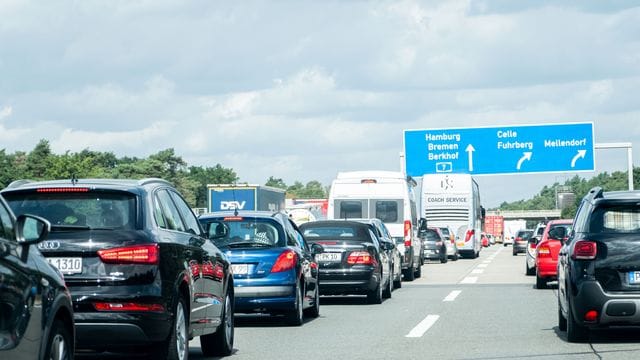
(42, 164)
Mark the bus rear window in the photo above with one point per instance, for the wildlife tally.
(349, 209)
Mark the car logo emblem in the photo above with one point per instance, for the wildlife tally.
(49, 245)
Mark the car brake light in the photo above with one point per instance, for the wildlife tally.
(105, 306)
(532, 245)
(469, 235)
(360, 258)
(286, 261)
(63, 190)
(544, 251)
(584, 250)
(591, 316)
(518, 239)
(139, 254)
(407, 233)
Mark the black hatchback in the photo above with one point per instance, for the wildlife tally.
(141, 274)
(599, 265)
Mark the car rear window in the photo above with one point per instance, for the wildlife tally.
(525, 235)
(235, 230)
(616, 219)
(342, 232)
(432, 235)
(92, 209)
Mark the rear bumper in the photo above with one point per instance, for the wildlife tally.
(519, 247)
(250, 299)
(614, 309)
(112, 329)
(547, 268)
(341, 282)
(434, 253)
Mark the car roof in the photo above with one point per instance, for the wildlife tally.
(241, 213)
(328, 223)
(560, 221)
(93, 183)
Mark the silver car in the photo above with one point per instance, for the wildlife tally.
(450, 240)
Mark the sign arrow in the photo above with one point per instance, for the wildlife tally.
(470, 149)
(526, 156)
(581, 154)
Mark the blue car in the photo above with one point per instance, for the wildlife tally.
(274, 268)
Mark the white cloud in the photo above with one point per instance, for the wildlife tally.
(5, 112)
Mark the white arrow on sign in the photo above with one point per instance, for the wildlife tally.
(470, 149)
(581, 154)
(526, 156)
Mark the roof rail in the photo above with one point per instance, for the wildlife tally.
(147, 181)
(596, 193)
(18, 183)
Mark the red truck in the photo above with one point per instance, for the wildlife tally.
(494, 225)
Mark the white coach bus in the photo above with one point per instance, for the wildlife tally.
(454, 200)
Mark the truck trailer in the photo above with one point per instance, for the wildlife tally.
(245, 197)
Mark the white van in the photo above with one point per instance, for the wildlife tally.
(388, 196)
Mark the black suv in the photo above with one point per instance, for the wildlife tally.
(140, 271)
(599, 265)
(36, 316)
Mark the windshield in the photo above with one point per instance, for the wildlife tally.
(91, 210)
(342, 232)
(239, 231)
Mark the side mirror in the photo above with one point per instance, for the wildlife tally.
(316, 249)
(388, 246)
(422, 225)
(31, 229)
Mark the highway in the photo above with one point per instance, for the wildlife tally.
(485, 308)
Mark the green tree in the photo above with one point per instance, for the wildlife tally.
(276, 182)
(39, 160)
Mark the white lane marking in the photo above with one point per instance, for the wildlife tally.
(422, 328)
(483, 265)
(477, 271)
(487, 262)
(469, 280)
(453, 295)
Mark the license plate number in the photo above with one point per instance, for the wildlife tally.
(329, 257)
(67, 265)
(634, 277)
(240, 269)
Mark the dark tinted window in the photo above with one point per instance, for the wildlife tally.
(524, 235)
(314, 232)
(387, 211)
(6, 226)
(171, 213)
(615, 219)
(95, 209)
(432, 235)
(190, 220)
(349, 209)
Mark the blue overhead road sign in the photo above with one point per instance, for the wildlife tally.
(500, 150)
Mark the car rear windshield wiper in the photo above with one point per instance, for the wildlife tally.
(246, 244)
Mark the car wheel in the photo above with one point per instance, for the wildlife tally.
(575, 332)
(387, 291)
(314, 311)
(541, 283)
(176, 347)
(515, 253)
(529, 270)
(59, 344)
(295, 317)
(418, 271)
(409, 274)
(455, 256)
(375, 295)
(562, 321)
(397, 282)
(444, 258)
(221, 342)
(505, 245)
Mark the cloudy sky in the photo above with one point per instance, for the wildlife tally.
(303, 89)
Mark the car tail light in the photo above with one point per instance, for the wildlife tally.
(407, 233)
(518, 239)
(591, 316)
(532, 245)
(361, 258)
(105, 306)
(139, 254)
(286, 261)
(544, 251)
(469, 235)
(584, 250)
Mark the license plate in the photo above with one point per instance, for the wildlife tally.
(67, 265)
(240, 269)
(634, 277)
(329, 257)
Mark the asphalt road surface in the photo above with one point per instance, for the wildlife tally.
(485, 308)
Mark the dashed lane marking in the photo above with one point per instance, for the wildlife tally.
(422, 328)
(452, 296)
(469, 280)
(477, 271)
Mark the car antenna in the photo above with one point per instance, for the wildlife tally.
(74, 179)
(235, 203)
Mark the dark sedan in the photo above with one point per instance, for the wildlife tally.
(435, 247)
(36, 316)
(354, 260)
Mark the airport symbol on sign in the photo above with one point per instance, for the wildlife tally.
(500, 150)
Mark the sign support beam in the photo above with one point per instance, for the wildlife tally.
(621, 145)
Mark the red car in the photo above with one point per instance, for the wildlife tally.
(485, 240)
(547, 251)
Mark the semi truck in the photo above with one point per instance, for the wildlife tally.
(494, 225)
(244, 197)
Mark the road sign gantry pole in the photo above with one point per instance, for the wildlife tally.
(621, 145)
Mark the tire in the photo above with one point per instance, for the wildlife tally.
(505, 245)
(529, 271)
(444, 259)
(176, 347)
(398, 283)
(387, 291)
(418, 272)
(455, 257)
(541, 283)
(59, 343)
(295, 317)
(409, 274)
(515, 253)
(562, 321)
(220, 343)
(576, 333)
(375, 296)
(314, 311)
